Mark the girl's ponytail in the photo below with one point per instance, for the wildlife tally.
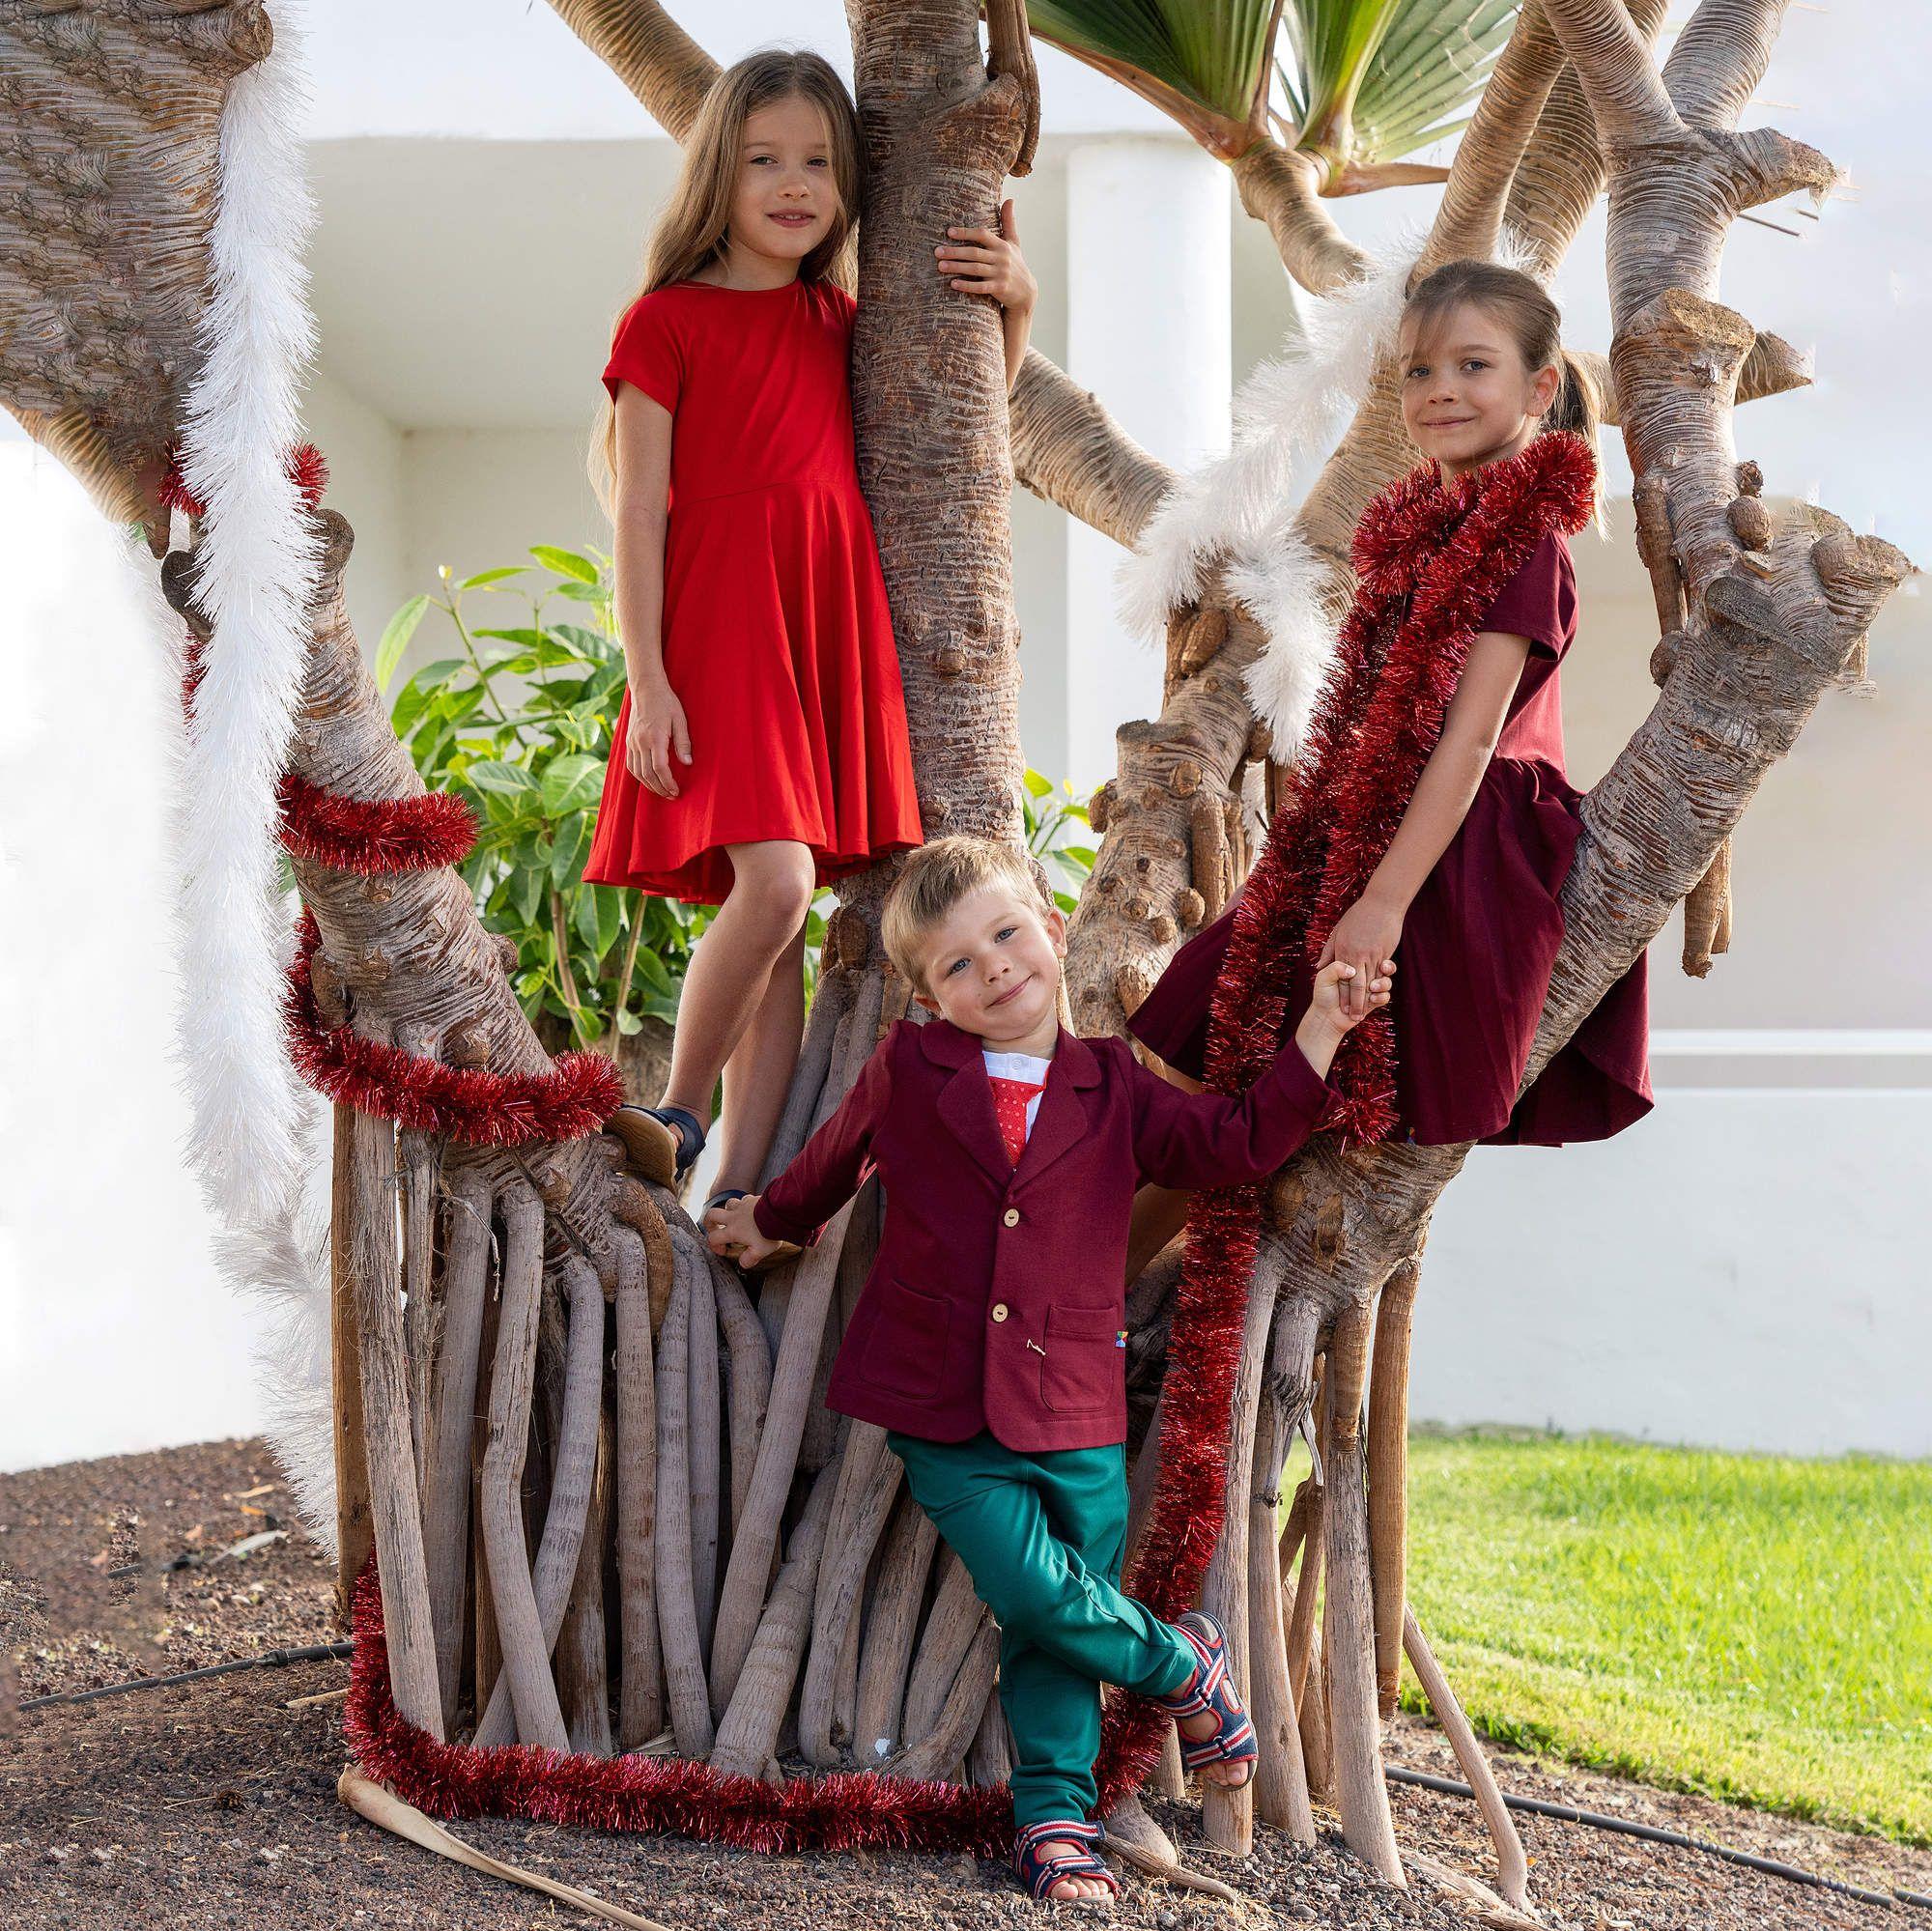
(1580, 403)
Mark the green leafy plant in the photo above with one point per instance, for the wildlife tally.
(518, 725)
(1057, 835)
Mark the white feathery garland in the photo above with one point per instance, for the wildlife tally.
(259, 1139)
(1233, 511)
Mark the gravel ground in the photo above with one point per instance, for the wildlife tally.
(213, 1804)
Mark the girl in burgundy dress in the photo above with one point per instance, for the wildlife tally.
(1429, 820)
(761, 747)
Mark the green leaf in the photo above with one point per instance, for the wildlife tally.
(585, 593)
(1036, 786)
(529, 890)
(483, 578)
(1212, 56)
(492, 774)
(565, 563)
(571, 849)
(629, 1023)
(572, 782)
(396, 635)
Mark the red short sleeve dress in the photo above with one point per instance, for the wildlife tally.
(1481, 936)
(776, 637)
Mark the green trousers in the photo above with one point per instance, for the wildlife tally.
(1041, 1537)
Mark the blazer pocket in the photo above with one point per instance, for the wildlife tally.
(1083, 1366)
(905, 1352)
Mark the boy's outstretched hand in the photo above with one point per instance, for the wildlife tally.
(733, 1234)
(1332, 1013)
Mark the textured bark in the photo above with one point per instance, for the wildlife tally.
(678, 1602)
(641, 1704)
(1388, 1476)
(886, 1653)
(354, 1531)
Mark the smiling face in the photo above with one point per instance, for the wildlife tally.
(785, 197)
(991, 966)
(1467, 397)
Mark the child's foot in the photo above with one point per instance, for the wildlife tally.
(1057, 1863)
(660, 1141)
(1217, 1738)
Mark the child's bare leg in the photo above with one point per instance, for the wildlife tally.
(758, 1074)
(731, 968)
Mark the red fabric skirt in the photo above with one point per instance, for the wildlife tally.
(1472, 976)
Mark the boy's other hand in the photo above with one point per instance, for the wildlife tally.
(733, 1233)
(1333, 1012)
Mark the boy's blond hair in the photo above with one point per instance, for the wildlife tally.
(934, 880)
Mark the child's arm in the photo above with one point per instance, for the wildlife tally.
(827, 1172)
(988, 261)
(1208, 1139)
(657, 729)
(1371, 928)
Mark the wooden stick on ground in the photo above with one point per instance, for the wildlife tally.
(466, 1285)
(641, 1704)
(520, 1630)
(677, 1601)
(1361, 1794)
(575, 1471)
(395, 1503)
(886, 1653)
(748, 1732)
(355, 1527)
(1388, 1474)
(1512, 1866)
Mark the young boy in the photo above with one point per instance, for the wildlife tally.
(989, 1341)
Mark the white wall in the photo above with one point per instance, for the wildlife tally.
(1744, 1270)
(115, 1334)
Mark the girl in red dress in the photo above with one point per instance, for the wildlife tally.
(1429, 822)
(761, 747)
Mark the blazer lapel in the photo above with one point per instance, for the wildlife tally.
(1060, 1123)
(966, 1100)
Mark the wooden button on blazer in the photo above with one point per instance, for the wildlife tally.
(997, 1299)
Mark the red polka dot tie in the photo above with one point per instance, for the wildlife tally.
(1010, 1097)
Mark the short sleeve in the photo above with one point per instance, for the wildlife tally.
(1540, 601)
(647, 354)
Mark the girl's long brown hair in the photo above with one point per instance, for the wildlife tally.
(1524, 309)
(691, 233)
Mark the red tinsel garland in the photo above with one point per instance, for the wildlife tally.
(854, 1811)
(374, 835)
(480, 1108)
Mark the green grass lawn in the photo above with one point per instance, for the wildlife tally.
(1756, 1627)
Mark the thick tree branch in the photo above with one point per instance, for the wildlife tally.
(1612, 60)
(1067, 449)
(1562, 173)
(649, 52)
(1283, 188)
(1469, 218)
(1720, 58)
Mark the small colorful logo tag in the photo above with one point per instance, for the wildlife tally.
(1121, 1338)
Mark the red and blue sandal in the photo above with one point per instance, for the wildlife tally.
(1041, 1873)
(1210, 1691)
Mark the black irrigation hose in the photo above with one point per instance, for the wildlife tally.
(1567, 1813)
(1536, 1807)
(271, 1659)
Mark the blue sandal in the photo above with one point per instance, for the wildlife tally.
(660, 1141)
(1210, 1691)
(1041, 1873)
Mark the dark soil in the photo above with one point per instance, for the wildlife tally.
(213, 1804)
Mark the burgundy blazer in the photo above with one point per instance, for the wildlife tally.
(997, 1300)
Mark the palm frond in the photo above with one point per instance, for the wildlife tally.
(1204, 62)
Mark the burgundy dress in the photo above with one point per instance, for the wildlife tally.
(1481, 936)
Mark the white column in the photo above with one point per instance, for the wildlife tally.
(1149, 331)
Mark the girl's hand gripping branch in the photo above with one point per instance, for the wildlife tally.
(988, 261)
